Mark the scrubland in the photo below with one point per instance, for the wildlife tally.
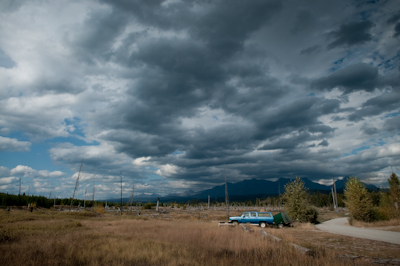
(175, 238)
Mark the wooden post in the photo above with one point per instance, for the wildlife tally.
(158, 202)
(133, 190)
(76, 185)
(226, 199)
(122, 204)
(333, 198)
(208, 201)
(84, 203)
(334, 187)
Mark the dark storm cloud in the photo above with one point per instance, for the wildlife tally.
(93, 42)
(395, 20)
(302, 114)
(351, 78)
(324, 143)
(375, 106)
(177, 75)
(369, 130)
(190, 90)
(354, 33)
(392, 124)
(311, 50)
(397, 30)
(304, 19)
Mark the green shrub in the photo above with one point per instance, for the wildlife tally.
(311, 214)
(147, 206)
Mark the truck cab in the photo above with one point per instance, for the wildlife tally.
(260, 218)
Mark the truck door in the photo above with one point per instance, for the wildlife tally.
(245, 217)
(253, 218)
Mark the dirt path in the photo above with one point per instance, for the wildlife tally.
(338, 226)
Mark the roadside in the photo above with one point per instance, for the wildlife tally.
(338, 226)
(307, 235)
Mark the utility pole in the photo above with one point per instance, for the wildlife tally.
(84, 203)
(158, 202)
(121, 194)
(333, 198)
(94, 185)
(133, 189)
(19, 186)
(208, 201)
(279, 195)
(76, 185)
(226, 198)
(334, 187)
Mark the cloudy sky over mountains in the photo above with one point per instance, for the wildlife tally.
(177, 94)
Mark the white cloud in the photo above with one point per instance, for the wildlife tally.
(167, 170)
(141, 161)
(13, 145)
(7, 180)
(26, 171)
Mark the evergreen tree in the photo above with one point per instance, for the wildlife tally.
(296, 202)
(358, 200)
(394, 194)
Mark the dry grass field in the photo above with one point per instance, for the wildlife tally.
(47, 237)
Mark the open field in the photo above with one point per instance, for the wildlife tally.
(48, 237)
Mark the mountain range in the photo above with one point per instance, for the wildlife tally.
(246, 189)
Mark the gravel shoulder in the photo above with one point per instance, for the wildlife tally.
(338, 226)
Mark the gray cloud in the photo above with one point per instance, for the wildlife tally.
(351, 78)
(354, 33)
(9, 6)
(14, 145)
(311, 50)
(397, 30)
(375, 106)
(186, 89)
(5, 60)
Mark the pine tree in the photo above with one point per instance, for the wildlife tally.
(358, 201)
(394, 194)
(296, 202)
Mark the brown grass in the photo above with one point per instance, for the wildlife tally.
(392, 222)
(84, 239)
(308, 236)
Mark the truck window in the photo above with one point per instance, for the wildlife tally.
(252, 214)
(246, 214)
(264, 215)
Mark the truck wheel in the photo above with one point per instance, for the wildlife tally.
(280, 226)
(263, 224)
(235, 223)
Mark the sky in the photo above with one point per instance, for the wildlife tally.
(177, 95)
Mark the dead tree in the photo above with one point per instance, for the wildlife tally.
(76, 185)
(226, 199)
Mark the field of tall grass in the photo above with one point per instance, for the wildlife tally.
(86, 238)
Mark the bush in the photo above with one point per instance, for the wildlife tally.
(147, 206)
(311, 214)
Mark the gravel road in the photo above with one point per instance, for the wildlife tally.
(338, 226)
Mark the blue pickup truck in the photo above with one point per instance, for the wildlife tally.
(260, 218)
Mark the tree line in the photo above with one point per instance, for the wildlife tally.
(361, 204)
